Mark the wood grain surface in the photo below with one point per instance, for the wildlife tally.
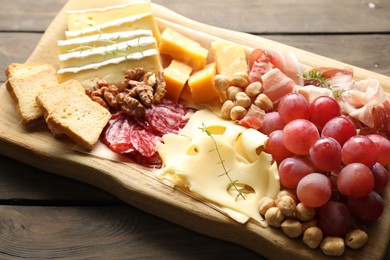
(73, 219)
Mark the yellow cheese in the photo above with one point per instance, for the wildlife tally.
(81, 19)
(230, 58)
(144, 21)
(100, 54)
(201, 84)
(191, 161)
(97, 40)
(112, 70)
(183, 49)
(176, 76)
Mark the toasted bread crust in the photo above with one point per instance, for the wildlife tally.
(23, 83)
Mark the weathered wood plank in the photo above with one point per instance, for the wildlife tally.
(281, 16)
(102, 232)
(27, 15)
(23, 184)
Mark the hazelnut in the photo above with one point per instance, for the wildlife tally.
(333, 246)
(237, 113)
(309, 224)
(356, 239)
(304, 213)
(292, 228)
(226, 108)
(232, 92)
(274, 217)
(290, 193)
(254, 89)
(287, 206)
(221, 82)
(312, 237)
(264, 102)
(239, 80)
(242, 100)
(265, 203)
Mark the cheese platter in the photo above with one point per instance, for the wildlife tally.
(136, 184)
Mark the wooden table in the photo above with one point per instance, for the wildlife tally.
(46, 216)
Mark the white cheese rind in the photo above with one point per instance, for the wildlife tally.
(117, 25)
(100, 39)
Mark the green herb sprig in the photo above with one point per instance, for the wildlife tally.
(221, 161)
(316, 78)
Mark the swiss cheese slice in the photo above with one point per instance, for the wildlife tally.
(81, 19)
(191, 160)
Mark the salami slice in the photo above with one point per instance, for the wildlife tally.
(138, 137)
(143, 140)
(117, 135)
(164, 118)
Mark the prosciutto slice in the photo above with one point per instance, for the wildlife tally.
(360, 98)
(276, 84)
(263, 61)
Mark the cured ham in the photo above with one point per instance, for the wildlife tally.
(261, 61)
(360, 98)
(276, 84)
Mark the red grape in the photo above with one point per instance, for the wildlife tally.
(360, 149)
(381, 177)
(326, 154)
(314, 190)
(355, 180)
(368, 208)
(383, 146)
(292, 170)
(334, 219)
(322, 109)
(339, 128)
(293, 106)
(271, 122)
(299, 135)
(275, 146)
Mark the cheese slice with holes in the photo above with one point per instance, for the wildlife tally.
(81, 19)
(191, 161)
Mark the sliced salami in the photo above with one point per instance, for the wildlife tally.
(117, 135)
(143, 140)
(138, 137)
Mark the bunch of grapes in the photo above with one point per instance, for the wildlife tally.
(331, 167)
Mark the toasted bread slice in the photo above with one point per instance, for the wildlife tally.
(69, 111)
(24, 82)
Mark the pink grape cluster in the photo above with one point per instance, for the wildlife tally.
(332, 168)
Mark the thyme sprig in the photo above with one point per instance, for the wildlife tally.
(316, 78)
(233, 184)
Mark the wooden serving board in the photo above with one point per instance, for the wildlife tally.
(133, 184)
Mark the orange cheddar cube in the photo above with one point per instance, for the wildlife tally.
(176, 76)
(201, 84)
(230, 58)
(183, 49)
